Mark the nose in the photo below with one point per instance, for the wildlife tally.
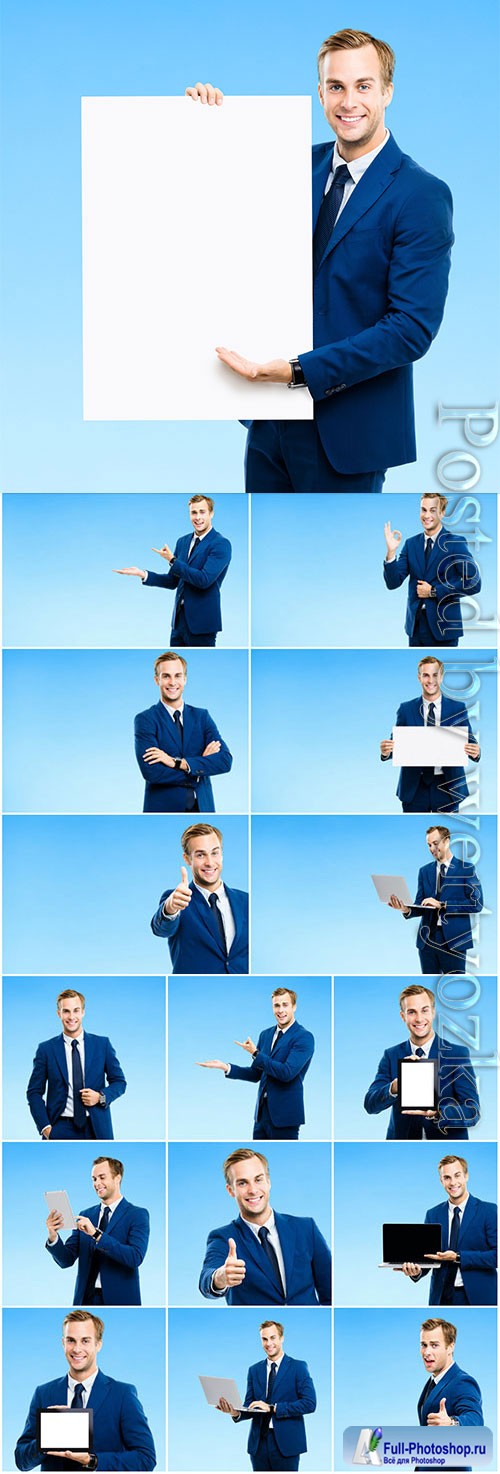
(349, 99)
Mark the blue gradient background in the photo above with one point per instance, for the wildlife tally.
(131, 1011)
(59, 556)
(55, 53)
(379, 1372)
(133, 1350)
(396, 1186)
(367, 1021)
(205, 1016)
(198, 1201)
(315, 907)
(82, 758)
(352, 698)
(317, 569)
(79, 893)
(200, 1346)
(29, 1276)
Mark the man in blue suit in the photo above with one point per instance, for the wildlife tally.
(441, 571)
(75, 1079)
(205, 923)
(178, 747)
(197, 568)
(450, 1397)
(382, 238)
(110, 1242)
(466, 1271)
(279, 1393)
(448, 893)
(432, 790)
(122, 1436)
(280, 1060)
(264, 1258)
(458, 1099)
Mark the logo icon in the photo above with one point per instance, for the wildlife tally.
(366, 1451)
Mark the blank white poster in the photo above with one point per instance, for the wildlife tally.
(196, 226)
(429, 747)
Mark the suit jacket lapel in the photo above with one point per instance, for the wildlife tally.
(99, 1391)
(60, 1053)
(173, 736)
(116, 1216)
(236, 917)
(435, 557)
(321, 171)
(281, 1369)
(373, 183)
(288, 1237)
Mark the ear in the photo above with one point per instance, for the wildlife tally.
(388, 95)
(230, 1190)
(320, 94)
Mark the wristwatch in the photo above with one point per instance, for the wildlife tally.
(92, 1463)
(102, 1098)
(297, 380)
(177, 762)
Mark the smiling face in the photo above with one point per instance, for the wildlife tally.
(430, 515)
(251, 1186)
(205, 859)
(418, 1013)
(81, 1348)
(436, 1355)
(354, 99)
(201, 517)
(284, 1010)
(71, 1013)
(171, 678)
(454, 1178)
(105, 1185)
(439, 845)
(272, 1342)
(430, 676)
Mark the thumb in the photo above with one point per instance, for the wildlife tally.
(232, 1249)
(184, 875)
(442, 1405)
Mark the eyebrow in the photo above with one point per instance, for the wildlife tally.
(339, 79)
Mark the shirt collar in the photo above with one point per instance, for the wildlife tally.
(203, 889)
(87, 1384)
(172, 706)
(460, 1206)
(426, 1047)
(357, 167)
(68, 1038)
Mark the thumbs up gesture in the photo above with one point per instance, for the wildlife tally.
(441, 1418)
(180, 898)
(232, 1272)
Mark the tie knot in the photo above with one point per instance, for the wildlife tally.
(177, 715)
(263, 1234)
(342, 175)
(420, 1053)
(212, 900)
(77, 1400)
(432, 707)
(74, 1045)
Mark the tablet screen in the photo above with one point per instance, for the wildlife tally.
(417, 1085)
(69, 1429)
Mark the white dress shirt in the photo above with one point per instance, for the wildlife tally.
(426, 1047)
(224, 908)
(437, 719)
(273, 1235)
(356, 167)
(69, 1108)
(87, 1386)
(458, 1283)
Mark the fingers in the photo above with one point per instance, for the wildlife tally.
(206, 93)
(232, 1249)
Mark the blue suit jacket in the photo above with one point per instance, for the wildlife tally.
(379, 298)
(306, 1256)
(168, 790)
(461, 889)
(122, 1436)
(477, 1246)
(121, 1250)
(280, 1073)
(103, 1072)
(452, 781)
(197, 580)
(294, 1396)
(193, 935)
(458, 1094)
(452, 572)
(463, 1398)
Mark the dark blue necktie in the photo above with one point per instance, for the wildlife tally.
(420, 1053)
(105, 1220)
(329, 209)
(77, 1399)
(180, 727)
(272, 1257)
(79, 1112)
(428, 773)
(196, 545)
(216, 911)
(449, 1271)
